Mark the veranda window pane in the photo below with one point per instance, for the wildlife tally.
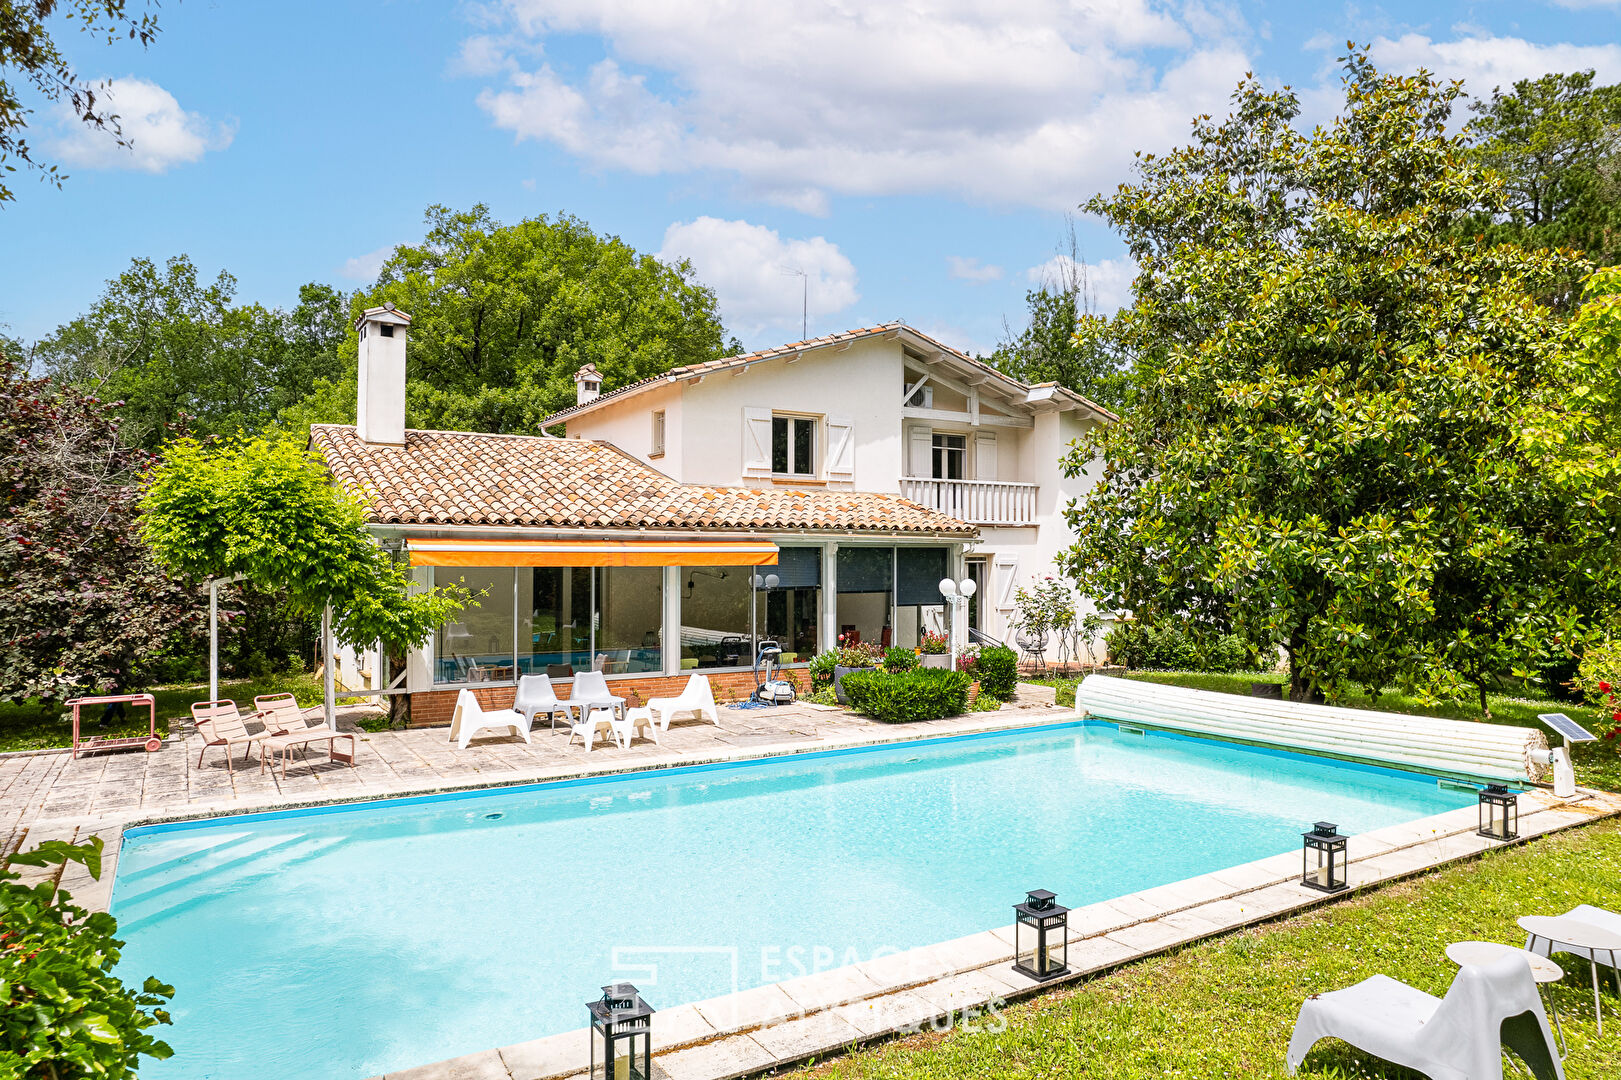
(630, 616)
(866, 577)
(716, 606)
(789, 613)
(477, 647)
(554, 623)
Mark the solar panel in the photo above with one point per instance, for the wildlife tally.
(1567, 727)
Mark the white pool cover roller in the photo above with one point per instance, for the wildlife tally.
(1456, 748)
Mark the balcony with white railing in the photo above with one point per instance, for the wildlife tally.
(978, 502)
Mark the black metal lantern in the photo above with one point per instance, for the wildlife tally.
(1499, 812)
(1040, 937)
(1322, 860)
(624, 1023)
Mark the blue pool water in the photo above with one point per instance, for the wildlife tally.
(344, 942)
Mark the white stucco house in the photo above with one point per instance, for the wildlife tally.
(883, 409)
(802, 493)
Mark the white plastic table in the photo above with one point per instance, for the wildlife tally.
(1572, 935)
(1543, 970)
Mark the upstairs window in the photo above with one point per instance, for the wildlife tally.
(658, 433)
(949, 452)
(793, 445)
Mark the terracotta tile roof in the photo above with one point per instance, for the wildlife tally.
(460, 478)
(694, 371)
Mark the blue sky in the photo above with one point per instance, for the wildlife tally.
(916, 160)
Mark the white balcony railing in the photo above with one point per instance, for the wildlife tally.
(978, 502)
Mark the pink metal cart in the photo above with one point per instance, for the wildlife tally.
(128, 742)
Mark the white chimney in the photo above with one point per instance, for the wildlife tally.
(587, 384)
(380, 410)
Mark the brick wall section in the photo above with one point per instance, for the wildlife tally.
(436, 706)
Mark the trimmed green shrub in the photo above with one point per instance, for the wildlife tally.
(1170, 647)
(921, 694)
(820, 668)
(1224, 653)
(998, 672)
(898, 658)
(63, 1012)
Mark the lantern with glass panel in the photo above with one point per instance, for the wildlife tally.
(622, 1029)
(1041, 936)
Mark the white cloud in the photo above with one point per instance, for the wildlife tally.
(365, 267)
(1107, 283)
(749, 267)
(161, 134)
(969, 268)
(1484, 61)
(1038, 102)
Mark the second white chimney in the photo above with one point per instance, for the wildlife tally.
(587, 384)
(380, 410)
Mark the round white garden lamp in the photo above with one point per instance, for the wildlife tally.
(957, 595)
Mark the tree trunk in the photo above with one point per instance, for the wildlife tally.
(1299, 685)
(1484, 710)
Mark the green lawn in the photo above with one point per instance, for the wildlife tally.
(32, 726)
(1598, 764)
(1225, 1008)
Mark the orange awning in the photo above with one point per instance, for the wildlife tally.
(592, 552)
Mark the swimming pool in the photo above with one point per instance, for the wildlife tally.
(346, 941)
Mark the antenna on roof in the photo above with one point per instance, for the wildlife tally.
(804, 299)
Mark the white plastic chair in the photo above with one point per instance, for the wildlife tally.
(1459, 1037)
(591, 689)
(535, 695)
(470, 718)
(698, 700)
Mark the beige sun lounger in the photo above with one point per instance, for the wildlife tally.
(289, 728)
(220, 724)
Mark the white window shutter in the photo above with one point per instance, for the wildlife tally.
(985, 455)
(921, 443)
(1006, 571)
(756, 442)
(841, 448)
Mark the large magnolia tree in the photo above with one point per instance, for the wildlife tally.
(1325, 450)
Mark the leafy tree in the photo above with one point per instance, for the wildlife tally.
(82, 606)
(503, 315)
(63, 1011)
(170, 345)
(1555, 142)
(264, 507)
(1325, 445)
(28, 50)
(1051, 347)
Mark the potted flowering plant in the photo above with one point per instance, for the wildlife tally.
(933, 649)
(856, 656)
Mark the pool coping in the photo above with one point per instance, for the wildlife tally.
(936, 986)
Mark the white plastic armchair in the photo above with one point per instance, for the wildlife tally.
(697, 700)
(1459, 1037)
(470, 718)
(535, 696)
(590, 688)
